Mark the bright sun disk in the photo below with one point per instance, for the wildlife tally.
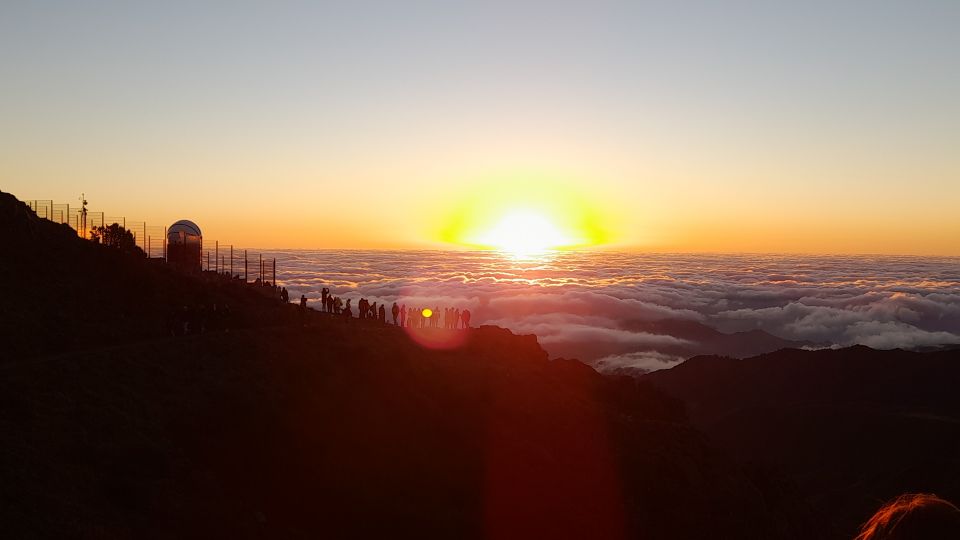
(525, 232)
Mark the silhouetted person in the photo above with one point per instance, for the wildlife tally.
(347, 311)
(382, 314)
(337, 305)
(466, 318)
(202, 317)
(913, 516)
(214, 319)
(303, 302)
(185, 321)
(226, 318)
(324, 293)
(403, 315)
(456, 319)
(395, 311)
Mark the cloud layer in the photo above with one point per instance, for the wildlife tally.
(599, 307)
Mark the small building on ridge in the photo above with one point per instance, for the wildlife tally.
(184, 245)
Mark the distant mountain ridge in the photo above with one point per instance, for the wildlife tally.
(674, 340)
(708, 340)
(853, 426)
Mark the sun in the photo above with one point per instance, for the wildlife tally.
(524, 232)
(522, 214)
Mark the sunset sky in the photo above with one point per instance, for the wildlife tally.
(670, 126)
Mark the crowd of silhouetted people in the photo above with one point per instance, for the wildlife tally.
(399, 314)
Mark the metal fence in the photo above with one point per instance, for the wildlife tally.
(249, 265)
(236, 262)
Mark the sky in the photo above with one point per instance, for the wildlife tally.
(804, 127)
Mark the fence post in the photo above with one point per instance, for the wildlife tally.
(245, 267)
(231, 261)
(274, 271)
(261, 269)
(164, 244)
(216, 256)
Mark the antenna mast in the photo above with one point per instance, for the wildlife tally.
(83, 214)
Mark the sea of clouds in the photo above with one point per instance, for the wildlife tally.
(597, 306)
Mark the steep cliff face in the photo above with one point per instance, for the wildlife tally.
(286, 424)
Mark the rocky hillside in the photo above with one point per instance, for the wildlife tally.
(276, 423)
(284, 424)
(62, 293)
(851, 427)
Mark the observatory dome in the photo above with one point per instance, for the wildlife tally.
(184, 245)
(184, 232)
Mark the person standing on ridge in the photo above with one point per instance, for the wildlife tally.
(466, 318)
(395, 311)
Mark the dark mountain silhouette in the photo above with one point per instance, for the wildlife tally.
(707, 340)
(62, 293)
(302, 425)
(697, 338)
(852, 426)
